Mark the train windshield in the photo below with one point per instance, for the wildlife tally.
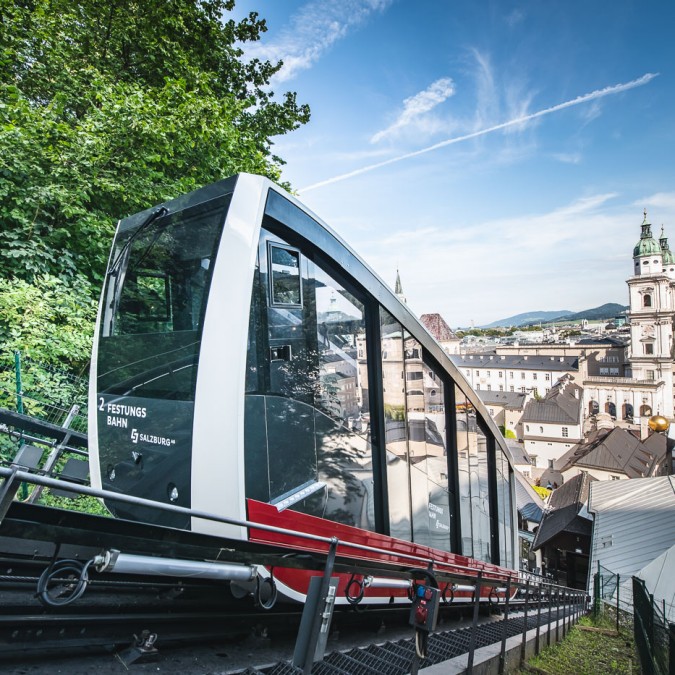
(155, 300)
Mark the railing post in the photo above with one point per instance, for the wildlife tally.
(19, 387)
(557, 614)
(502, 653)
(305, 649)
(548, 633)
(536, 644)
(618, 585)
(522, 644)
(8, 491)
(472, 640)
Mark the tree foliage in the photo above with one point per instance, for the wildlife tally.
(109, 107)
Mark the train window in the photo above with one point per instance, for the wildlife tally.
(309, 385)
(480, 503)
(398, 478)
(284, 275)
(463, 424)
(156, 291)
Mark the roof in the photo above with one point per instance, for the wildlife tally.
(529, 504)
(518, 453)
(634, 522)
(647, 244)
(437, 326)
(561, 405)
(512, 361)
(513, 400)
(562, 514)
(616, 450)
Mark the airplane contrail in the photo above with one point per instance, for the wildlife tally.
(598, 93)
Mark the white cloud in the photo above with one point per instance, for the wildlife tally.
(415, 107)
(514, 122)
(568, 157)
(313, 30)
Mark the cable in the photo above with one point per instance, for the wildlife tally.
(67, 590)
(355, 599)
(273, 591)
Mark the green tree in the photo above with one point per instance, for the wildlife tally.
(108, 107)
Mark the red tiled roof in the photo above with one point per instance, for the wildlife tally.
(436, 325)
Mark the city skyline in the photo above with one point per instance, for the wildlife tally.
(500, 155)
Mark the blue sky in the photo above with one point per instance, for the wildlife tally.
(500, 154)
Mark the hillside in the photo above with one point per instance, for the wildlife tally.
(527, 318)
(604, 312)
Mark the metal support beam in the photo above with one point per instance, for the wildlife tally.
(502, 653)
(472, 640)
(8, 490)
(524, 640)
(313, 617)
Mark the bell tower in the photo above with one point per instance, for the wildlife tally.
(651, 313)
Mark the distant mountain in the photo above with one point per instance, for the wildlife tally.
(606, 311)
(528, 318)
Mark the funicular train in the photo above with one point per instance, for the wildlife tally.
(248, 363)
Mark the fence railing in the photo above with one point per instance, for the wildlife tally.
(43, 391)
(654, 636)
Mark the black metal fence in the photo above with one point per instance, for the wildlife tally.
(654, 636)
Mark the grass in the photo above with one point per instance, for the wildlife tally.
(588, 653)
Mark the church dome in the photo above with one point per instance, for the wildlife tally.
(647, 244)
(668, 255)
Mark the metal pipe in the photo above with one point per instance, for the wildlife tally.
(463, 587)
(125, 563)
(383, 582)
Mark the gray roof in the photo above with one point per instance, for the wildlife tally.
(507, 399)
(529, 504)
(518, 453)
(559, 406)
(634, 522)
(617, 450)
(552, 363)
(562, 514)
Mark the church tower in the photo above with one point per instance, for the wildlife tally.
(651, 313)
(398, 289)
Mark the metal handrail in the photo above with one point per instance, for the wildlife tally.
(421, 562)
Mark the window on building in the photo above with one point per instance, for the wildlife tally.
(541, 430)
(501, 387)
(511, 388)
(527, 428)
(534, 376)
(489, 387)
(492, 412)
(523, 390)
(650, 374)
(647, 300)
(478, 373)
(535, 390)
(468, 373)
(522, 376)
(616, 477)
(488, 373)
(533, 458)
(550, 463)
(501, 374)
(565, 432)
(649, 348)
(548, 377)
(511, 374)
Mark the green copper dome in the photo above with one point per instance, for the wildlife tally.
(668, 255)
(647, 244)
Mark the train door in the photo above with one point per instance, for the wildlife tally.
(307, 425)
